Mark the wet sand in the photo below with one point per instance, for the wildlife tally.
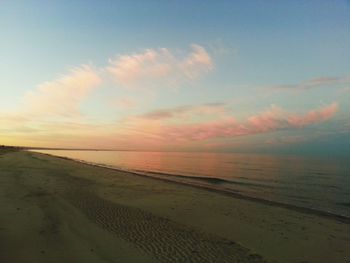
(57, 210)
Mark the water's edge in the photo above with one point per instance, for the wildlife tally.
(170, 178)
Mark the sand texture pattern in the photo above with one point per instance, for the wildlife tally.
(165, 240)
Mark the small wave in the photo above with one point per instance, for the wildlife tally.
(210, 180)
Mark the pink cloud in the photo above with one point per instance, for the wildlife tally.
(228, 127)
(127, 69)
(186, 111)
(272, 120)
(197, 62)
(159, 67)
(312, 83)
(268, 120)
(62, 96)
(162, 129)
(313, 116)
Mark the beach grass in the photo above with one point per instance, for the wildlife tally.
(59, 210)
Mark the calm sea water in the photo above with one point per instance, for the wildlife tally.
(318, 183)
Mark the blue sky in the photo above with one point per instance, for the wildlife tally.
(222, 61)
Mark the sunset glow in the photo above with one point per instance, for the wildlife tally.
(148, 78)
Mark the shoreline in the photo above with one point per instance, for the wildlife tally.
(306, 210)
(56, 209)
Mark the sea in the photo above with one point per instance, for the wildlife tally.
(316, 183)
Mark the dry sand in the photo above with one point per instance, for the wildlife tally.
(56, 210)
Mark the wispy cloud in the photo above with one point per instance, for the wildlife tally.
(274, 119)
(162, 129)
(159, 67)
(313, 116)
(311, 83)
(52, 110)
(63, 96)
(186, 111)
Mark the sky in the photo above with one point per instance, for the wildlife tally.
(222, 76)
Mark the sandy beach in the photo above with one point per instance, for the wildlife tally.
(57, 210)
